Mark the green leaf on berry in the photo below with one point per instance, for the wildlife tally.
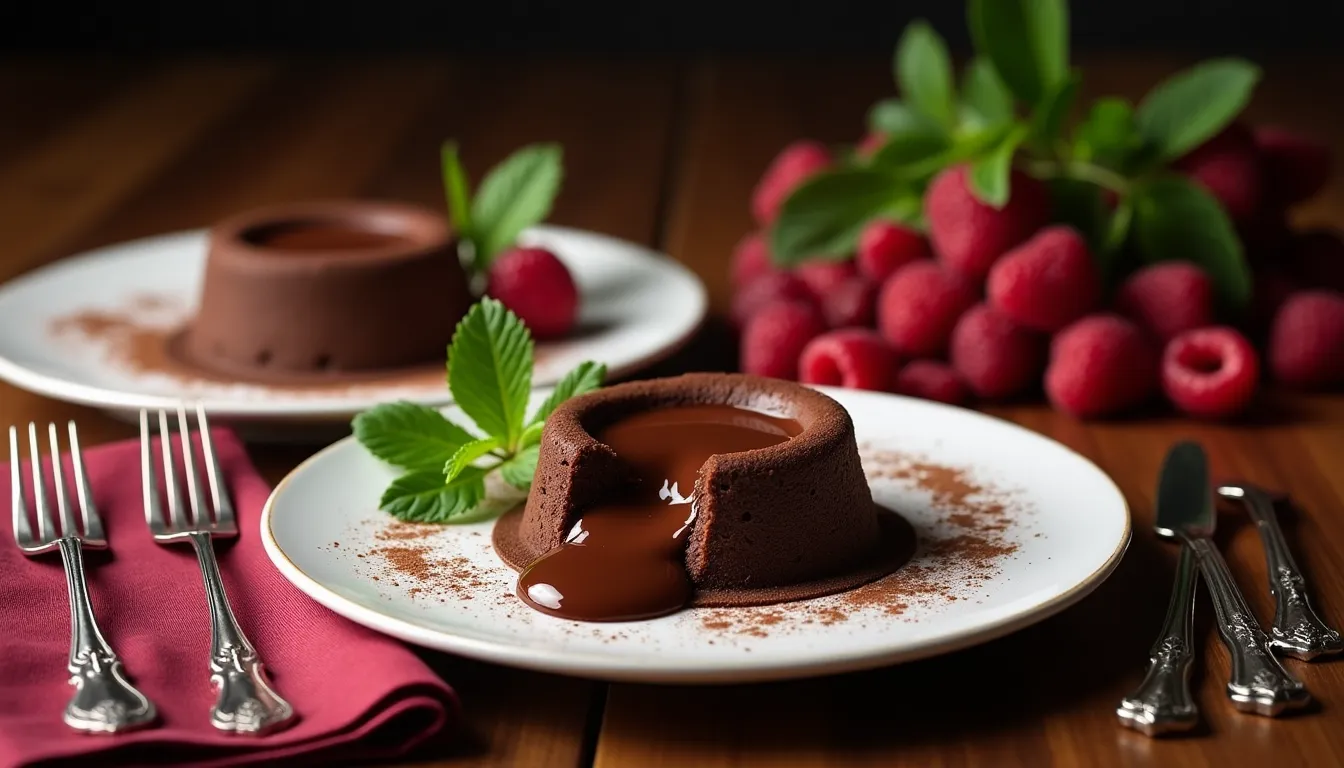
(1047, 120)
(1175, 219)
(516, 194)
(457, 190)
(823, 217)
(426, 497)
(490, 360)
(985, 96)
(1190, 107)
(990, 175)
(1027, 41)
(892, 117)
(409, 436)
(924, 73)
(1108, 134)
(519, 470)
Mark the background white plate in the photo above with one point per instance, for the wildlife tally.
(636, 306)
(1068, 523)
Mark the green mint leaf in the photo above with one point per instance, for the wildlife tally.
(1047, 120)
(1108, 135)
(516, 194)
(467, 454)
(1177, 220)
(490, 369)
(584, 377)
(425, 497)
(1027, 40)
(1191, 106)
(823, 217)
(990, 175)
(531, 435)
(457, 190)
(987, 99)
(409, 436)
(892, 117)
(518, 471)
(924, 73)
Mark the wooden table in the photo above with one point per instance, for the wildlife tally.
(664, 151)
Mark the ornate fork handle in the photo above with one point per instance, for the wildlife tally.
(246, 703)
(1162, 703)
(1259, 683)
(104, 702)
(1297, 630)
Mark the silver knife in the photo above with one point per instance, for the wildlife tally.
(1185, 511)
(1162, 703)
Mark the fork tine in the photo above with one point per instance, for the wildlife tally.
(218, 491)
(68, 527)
(93, 524)
(44, 521)
(176, 514)
(198, 515)
(148, 478)
(23, 531)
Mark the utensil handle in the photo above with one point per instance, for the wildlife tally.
(104, 702)
(1162, 702)
(246, 703)
(1297, 630)
(1259, 683)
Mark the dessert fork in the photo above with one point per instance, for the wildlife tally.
(245, 703)
(104, 702)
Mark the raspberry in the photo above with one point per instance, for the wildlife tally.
(822, 276)
(1099, 366)
(1228, 166)
(1166, 299)
(535, 285)
(870, 143)
(775, 337)
(852, 303)
(1306, 342)
(768, 289)
(1295, 168)
(1316, 258)
(918, 307)
(751, 259)
(1047, 282)
(968, 235)
(791, 167)
(1210, 372)
(886, 246)
(932, 380)
(996, 357)
(856, 358)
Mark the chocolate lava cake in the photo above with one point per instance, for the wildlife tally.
(326, 288)
(788, 521)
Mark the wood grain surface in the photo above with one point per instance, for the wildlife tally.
(664, 151)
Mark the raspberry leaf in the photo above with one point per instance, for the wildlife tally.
(893, 117)
(584, 377)
(1108, 135)
(990, 174)
(823, 217)
(516, 194)
(1189, 107)
(924, 73)
(519, 470)
(457, 190)
(426, 497)
(1027, 40)
(467, 454)
(1177, 220)
(409, 436)
(987, 100)
(490, 370)
(1047, 120)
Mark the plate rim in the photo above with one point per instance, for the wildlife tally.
(297, 410)
(597, 667)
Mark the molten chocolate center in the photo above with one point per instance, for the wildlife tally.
(624, 560)
(320, 236)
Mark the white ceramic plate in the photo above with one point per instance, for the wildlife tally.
(1013, 527)
(636, 307)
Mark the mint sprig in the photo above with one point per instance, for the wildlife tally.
(1110, 172)
(514, 195)
(445, 464)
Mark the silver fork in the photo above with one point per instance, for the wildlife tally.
(104, 702)
(245, 702)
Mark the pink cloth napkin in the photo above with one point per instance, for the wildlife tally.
(358, 694)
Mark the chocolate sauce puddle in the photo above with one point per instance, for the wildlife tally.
(624, 560)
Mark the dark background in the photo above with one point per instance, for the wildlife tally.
(1205, 26)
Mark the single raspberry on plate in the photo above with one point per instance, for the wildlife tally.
(856, 358)
(823, 275)
(932, 380)
(885, 246)
(968, 235)
(918, 307)
(768, 289)
(996, 357)
(851, 304)
(1210, 372)
(751, 259)
(1228, 166)
(1167, 299)
(1047, 282)
(535, 285)
(1100, 366)
(1316, 258)
(775, 337)
(1295, 167)
(1306, 342)
(797, 163)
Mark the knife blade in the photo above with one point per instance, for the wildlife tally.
(1185, 511)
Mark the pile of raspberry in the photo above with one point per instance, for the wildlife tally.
(995, 305)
